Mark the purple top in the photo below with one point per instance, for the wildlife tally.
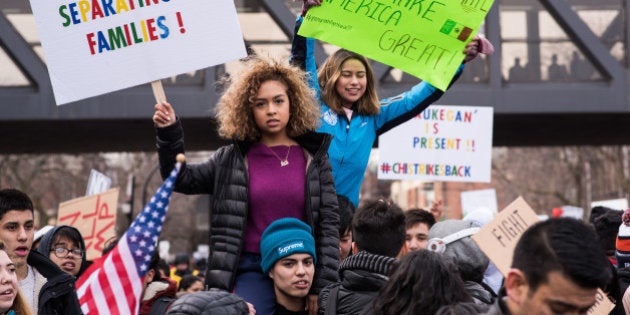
(275, 191)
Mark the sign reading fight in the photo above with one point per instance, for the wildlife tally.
(94, 47)
(94, 216)
(498, 238)
(443, 143)
(423, 38)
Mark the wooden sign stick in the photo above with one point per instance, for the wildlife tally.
(158, 91)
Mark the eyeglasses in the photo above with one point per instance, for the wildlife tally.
(62, 252)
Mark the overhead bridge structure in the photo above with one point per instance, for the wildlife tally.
(559, 76)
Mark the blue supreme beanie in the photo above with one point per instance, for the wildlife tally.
(285, 237)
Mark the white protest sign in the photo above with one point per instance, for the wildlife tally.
(617, 204)
(476, 199)
(97, 183)
(96, 47)
(443, 143)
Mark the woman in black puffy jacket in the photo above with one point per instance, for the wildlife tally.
(276, 167)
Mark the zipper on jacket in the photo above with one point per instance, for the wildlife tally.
(343, 157)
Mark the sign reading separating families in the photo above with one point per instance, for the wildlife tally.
(443, 143)
(95, 218)
(423, 38)
(498, 240)
(95, 47)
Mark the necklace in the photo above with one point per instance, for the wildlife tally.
(283, 162)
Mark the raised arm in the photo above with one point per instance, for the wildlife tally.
(192, 179)
(303, 56)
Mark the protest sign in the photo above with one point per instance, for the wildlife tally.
(473, 200)
(603, 304)
(97, 183)
(96, 47)
(498, 238)
(94, 216)
(423, 38)
(616, 204)
(443, 143)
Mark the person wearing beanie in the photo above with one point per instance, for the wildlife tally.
(622, 246)
(288, 255)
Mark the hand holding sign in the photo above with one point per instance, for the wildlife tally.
(164, 115)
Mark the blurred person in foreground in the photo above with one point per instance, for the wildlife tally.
(557, 268)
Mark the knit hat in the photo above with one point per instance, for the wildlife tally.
(285, 237)
(622, 246)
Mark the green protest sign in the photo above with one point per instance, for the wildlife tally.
(425, 38)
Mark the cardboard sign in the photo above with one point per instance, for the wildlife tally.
(443, 143)
(96, 47)
(498, 238)
(94, 216)
(423, 38)
(603, 304)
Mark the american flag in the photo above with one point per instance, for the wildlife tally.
(113, 283)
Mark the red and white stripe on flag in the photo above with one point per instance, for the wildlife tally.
(113, 283)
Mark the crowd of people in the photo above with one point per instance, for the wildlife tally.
(393, 266)
(288, 231)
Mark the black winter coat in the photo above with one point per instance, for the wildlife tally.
(58, 295)
(225, 177)
(362, 276)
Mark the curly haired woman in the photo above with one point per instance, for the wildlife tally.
(276, 167)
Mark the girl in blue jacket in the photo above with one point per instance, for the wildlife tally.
(351, 111)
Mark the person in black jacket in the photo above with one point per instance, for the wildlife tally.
(213, 302)
(276, 167)
(378, 230)
(46, 288)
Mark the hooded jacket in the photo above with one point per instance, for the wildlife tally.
(225, 177)
(362, 276)
(46, 243)
(163, 288)
(56, 295)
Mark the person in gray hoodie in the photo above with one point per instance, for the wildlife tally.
(65, 246)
